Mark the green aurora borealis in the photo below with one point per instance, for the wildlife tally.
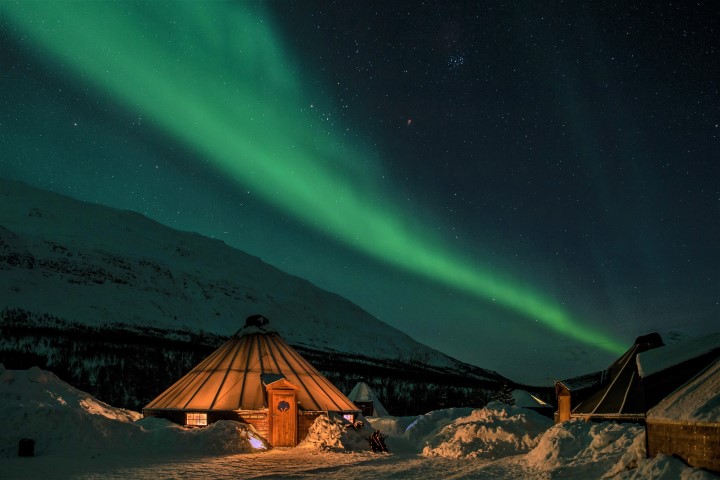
(232, 95)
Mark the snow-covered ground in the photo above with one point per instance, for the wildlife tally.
(77, 436)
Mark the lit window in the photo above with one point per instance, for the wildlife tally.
(196, 419)
(349, 417)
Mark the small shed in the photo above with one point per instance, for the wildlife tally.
(366, 400)
(572, 391)
(256, 378)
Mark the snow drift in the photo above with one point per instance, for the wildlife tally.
(663, 467)
(70, 427)
(494, 431)
(36, 404)
(333, 432)
(498, 430)
(592, 450)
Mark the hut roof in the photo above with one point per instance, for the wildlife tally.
(363, 393)
(583, 382)
(622, 395)
(526, 399)
(696, 401)
(234, 376)
(660, 359)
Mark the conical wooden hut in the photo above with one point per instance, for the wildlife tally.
(256, 378)
(365, 398)
(620, 395)
(623, 397)
(637, 381)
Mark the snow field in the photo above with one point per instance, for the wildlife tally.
(78, 436)
(61, 419)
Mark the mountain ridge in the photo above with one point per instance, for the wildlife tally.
(97, 265)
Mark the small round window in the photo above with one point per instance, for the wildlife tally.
(283, 406)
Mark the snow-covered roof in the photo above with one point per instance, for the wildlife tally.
(696, 401)
(623, 395)
(363, 393)
(583, 381)
(659, 359)
(528, 400)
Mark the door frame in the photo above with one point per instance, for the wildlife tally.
(277, 392)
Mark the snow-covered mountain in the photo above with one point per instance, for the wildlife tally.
(97, 266)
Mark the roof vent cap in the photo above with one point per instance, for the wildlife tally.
(255, 324)
(257, 321)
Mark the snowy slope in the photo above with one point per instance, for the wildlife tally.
(97, 265)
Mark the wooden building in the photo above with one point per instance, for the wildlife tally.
(686, 423)
(621, 397)
(641, 378)
(256, 378)
(571, 392)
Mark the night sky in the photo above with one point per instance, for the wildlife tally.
(524, 187)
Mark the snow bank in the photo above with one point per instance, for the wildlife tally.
(421, 430)
(38, 405)
(335, 433)
(498, 430)
(696, 401)
(222, 437)
(588, 450)
(491, 432)
(663, 467)
(579, 449)
(391, 426)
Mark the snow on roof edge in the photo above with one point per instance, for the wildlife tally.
(698, 400)
(662, 358)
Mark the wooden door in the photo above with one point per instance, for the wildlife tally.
(283, 413)
(563, 408)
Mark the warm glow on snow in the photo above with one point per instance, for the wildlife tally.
(257, 443)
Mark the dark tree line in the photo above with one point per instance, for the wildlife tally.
(127, 366)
